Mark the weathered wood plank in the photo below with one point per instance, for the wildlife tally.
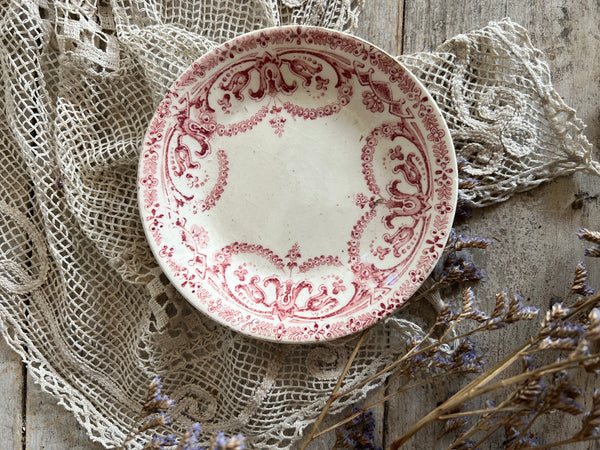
(11, 398)
(428, 24)
(380, 23)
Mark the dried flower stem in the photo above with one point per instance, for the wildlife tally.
(335, 394)
(475, 412)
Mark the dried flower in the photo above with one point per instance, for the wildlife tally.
(517, 311)
(590, 236)
(155, 402)
(463, 242)
(191, 438)
(359, 433)
(567, 343)
(458, 269)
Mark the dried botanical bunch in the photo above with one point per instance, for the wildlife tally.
(154, 415)
(536, 380)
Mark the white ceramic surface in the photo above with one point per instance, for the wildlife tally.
(297, 184)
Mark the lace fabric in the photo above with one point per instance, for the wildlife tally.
(81, 298)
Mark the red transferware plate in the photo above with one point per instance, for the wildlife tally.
(297, 184)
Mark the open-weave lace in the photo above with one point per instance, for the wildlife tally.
(81, 298)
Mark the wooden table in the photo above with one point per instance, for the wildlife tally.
(538, 248)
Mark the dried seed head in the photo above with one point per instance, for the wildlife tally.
(501, 306)
(467, 183)
(590, 236)
(562, 394)
(591, 419)
(528, 395)
(154, 422)
(516, 310)
(557, 312)
(593, 252)
(550, 343)
(468, 299)
(468, 309)
(593, 331)
(463, 242)
(581, 275)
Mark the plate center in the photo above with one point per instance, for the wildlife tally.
(295, 187)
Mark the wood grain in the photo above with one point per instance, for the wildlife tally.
(11, 398)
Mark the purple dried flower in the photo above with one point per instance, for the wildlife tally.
(153, 444)
(557, 312)
(189, 440)
(463, 207)
(562, 394)
(467, 358)
(155, 421)
(155, 402)
(458, 269)
(593, 331)
(359, 433)
(530, 391)
(467, 183)
(168, 440)
(221, 442)
(550, 343)
(501, 306)
(579, 285)
(593, 252)
(517, 311)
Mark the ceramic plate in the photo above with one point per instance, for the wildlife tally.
(297, 184)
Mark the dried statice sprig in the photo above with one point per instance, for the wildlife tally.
(569, 330)
(592, 237)
(358, 432)
(429, 358)
(154, 415)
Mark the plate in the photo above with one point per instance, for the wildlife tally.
(297, 184)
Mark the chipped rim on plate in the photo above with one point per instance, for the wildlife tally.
(297, 184)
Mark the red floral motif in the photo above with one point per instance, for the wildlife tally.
(372, 102)
(277, 123)
(321, 83)
(241, 273)
(219, 187)
(361, 200)
(293, 255)
(338, 287)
